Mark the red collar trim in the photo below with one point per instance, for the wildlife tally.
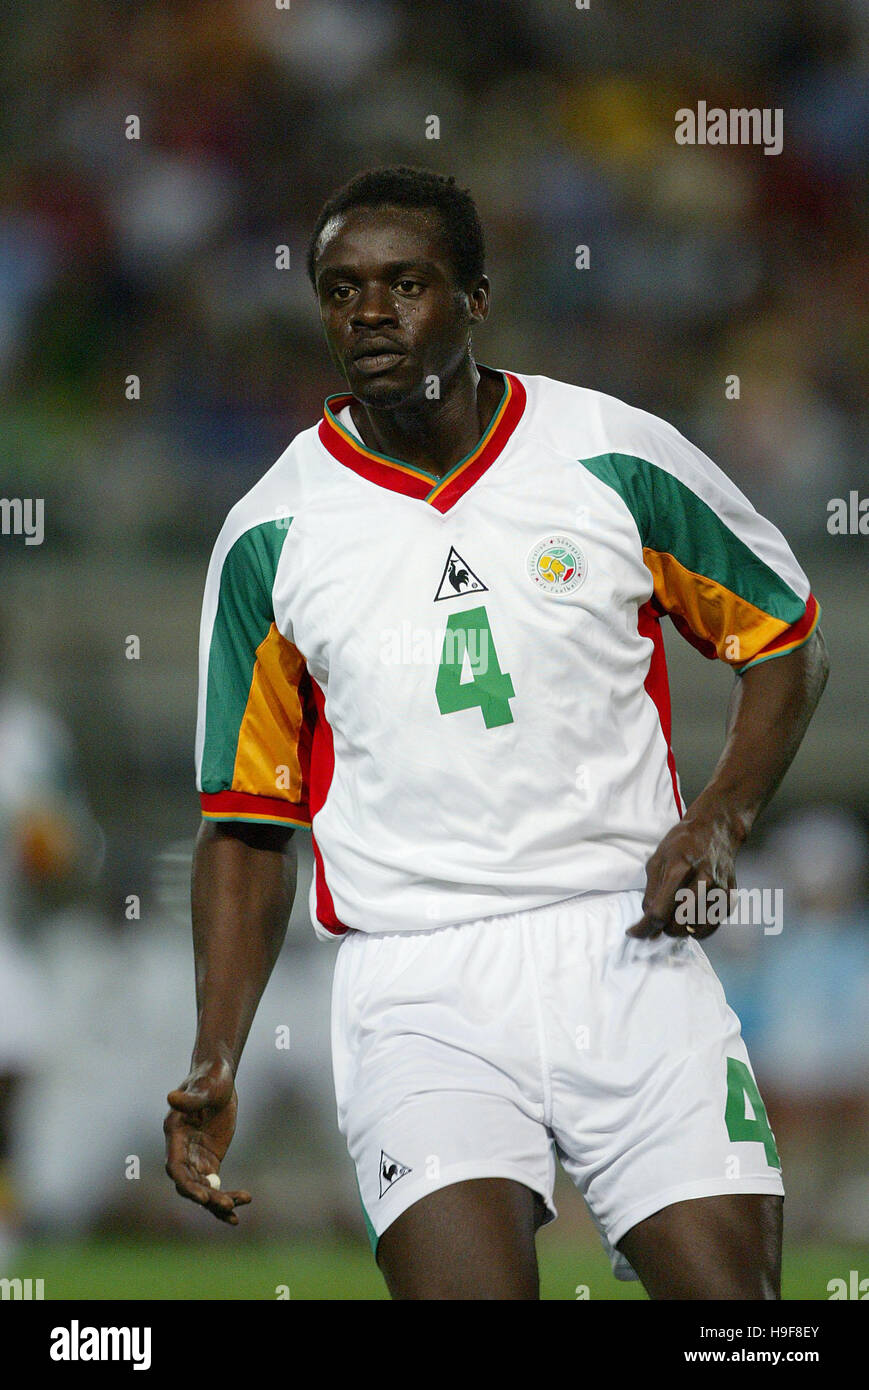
(441, 493)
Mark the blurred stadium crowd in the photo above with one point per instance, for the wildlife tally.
(156, 257)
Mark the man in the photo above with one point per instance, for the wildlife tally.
(432, 632)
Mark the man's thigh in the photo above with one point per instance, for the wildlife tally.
(439, 1090)
(659, 1112)
(725, 1247)
(471, 1240)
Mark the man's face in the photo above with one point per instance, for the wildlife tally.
(392, 313)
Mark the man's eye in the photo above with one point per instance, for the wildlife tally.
(409, 286)
(341, 292)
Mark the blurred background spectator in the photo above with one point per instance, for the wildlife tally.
(49, 848)
(155, 258)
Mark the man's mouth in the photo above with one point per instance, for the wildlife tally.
(373, 363)
(376, 355)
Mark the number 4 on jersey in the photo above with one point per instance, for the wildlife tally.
(491, 688)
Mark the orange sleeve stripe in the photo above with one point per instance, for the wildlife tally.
(794, 636)
(267, 753)
(716, 614)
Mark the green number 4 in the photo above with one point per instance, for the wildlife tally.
(468, 634)
(740, 1125)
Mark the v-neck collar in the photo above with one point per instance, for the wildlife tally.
(440, 493)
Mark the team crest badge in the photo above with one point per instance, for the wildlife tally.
(391, 1171)
(556, 566)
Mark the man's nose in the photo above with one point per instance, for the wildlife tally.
(373, 305)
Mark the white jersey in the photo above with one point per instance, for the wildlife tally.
(459, 683)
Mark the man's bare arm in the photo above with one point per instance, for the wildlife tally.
(768, 714)
(244, 881)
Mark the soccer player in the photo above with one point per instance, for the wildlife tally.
(432, 633)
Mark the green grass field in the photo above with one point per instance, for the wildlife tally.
(146, 1269)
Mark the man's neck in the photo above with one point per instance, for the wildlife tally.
(434, 435)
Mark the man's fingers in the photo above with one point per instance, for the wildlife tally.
(223, 1204)
(188, 1186)
(688, 883)
(189, 1179)
(700, 905)
(659, 905)
(195, 1187)
(648, 926)
(711, 906)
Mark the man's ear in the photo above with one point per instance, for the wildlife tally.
(479, 300)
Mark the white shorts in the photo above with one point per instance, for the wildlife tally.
(486, 1050)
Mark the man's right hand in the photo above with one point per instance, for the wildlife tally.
(198, 1131)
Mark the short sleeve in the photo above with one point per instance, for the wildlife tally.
(724, 574)
(255, 714)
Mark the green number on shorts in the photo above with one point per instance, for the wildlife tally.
(491, 688)
(740, 1083)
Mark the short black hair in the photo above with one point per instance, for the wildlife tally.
(402, 186)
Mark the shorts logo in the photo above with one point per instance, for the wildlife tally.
(556, 566)
(391, 1171)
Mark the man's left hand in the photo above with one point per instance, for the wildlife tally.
(700, 849)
